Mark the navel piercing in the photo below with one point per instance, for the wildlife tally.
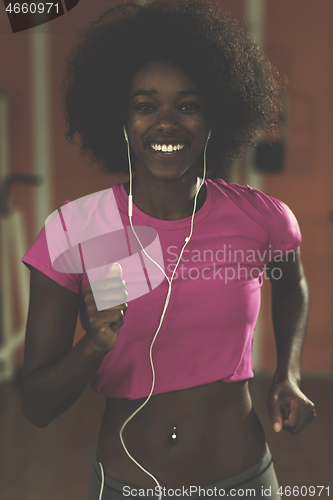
(174, 434)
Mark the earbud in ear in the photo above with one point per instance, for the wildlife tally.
(125, 133)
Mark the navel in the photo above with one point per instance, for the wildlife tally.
(174, 435)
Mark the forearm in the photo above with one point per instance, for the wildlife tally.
(290, 315)
(49, 391)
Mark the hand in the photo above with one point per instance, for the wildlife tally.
(289, 408)
(104, 325)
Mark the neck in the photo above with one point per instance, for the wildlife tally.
(166, 200)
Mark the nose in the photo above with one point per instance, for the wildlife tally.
(166, 121)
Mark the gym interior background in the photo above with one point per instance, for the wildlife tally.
(39, 170)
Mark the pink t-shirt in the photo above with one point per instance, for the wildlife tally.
(207, 332)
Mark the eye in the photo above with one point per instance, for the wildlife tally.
(190, 106)
(144, 107)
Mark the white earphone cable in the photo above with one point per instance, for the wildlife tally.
(102, 483)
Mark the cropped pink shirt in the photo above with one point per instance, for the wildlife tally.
(207, 332)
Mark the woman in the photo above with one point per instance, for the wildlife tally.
(177, 79)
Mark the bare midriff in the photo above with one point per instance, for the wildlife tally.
(218, 435)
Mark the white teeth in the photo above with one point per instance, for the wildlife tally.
(167, 148)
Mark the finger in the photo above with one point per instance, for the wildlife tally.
(109, 283)
(302, 427)
(274, 409)
(115, 271)
(118, 324)
(294, 418)
(106, 299)
(119, 314)
(310, 416)
(115, 317)
(114, 320)
(295, 424)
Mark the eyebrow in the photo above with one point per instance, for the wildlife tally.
(154, 91)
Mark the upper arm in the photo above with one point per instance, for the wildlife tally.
(51, 322)
(285, 272)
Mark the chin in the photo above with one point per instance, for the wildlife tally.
(167, 174)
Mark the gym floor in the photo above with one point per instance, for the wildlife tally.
(54, 463)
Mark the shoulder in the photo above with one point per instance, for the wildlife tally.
(43, 257)
(273, 215)
(89, 216)
(247, 198)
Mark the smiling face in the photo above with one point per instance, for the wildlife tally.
(166, 122)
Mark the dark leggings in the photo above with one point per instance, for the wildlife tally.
(259, 481)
